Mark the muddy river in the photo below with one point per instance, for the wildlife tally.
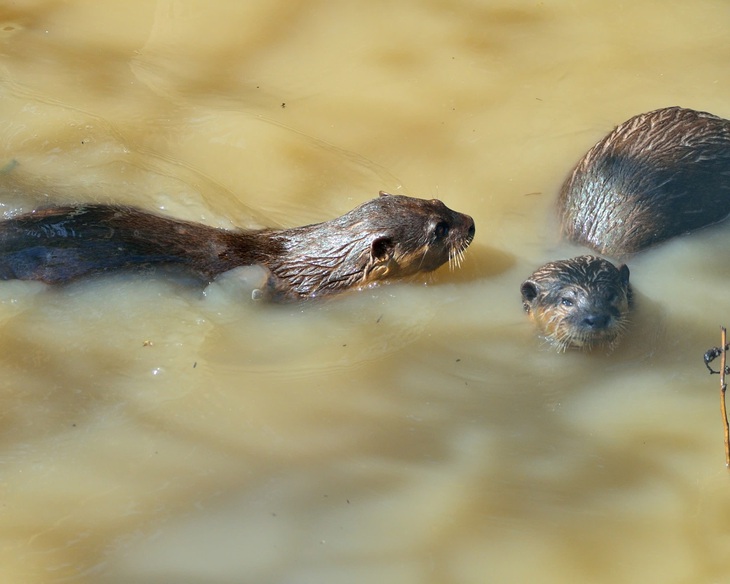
(153, 431)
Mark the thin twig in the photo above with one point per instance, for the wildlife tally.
(723, 387)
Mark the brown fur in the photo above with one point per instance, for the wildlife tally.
(581, 302)
(385, 238)
(658, 175)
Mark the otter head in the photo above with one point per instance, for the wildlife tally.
(580, 302)
(385, 238)
(410, 236)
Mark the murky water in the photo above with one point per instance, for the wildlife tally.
(411, 433)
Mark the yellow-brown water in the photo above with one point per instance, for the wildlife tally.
(410, 433)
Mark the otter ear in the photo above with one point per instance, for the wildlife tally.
(529, 291)
(623, 272)
(384, 194)
(382, 249)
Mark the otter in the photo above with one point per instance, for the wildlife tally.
(580, 302)
(658, 175)
(391, 236)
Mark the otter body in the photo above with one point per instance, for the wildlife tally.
(387, 237)
(658, 175)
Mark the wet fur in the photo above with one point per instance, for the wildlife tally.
(581, 302)
(387, 237)
(658, 175)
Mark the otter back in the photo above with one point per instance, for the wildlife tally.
(63, 243)
(656, 176)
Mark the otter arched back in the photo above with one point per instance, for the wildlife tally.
(658, 175)
(384, 238)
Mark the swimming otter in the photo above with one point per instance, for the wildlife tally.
(387, 237)
(579, 302)
(658, 175)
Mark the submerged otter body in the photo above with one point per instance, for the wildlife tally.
(385, 238)
(656, 176)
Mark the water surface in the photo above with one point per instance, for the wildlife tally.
(418, 432)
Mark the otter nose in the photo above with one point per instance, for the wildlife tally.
(596, 321)
(470, 229)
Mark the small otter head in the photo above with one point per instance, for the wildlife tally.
(580, 302)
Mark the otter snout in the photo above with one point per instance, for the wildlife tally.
(470, 227)
(597, 321)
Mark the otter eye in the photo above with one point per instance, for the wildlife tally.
(441, 229)
(565, 301)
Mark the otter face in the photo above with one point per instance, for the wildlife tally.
(389, 237)
(418, 235)
(581, 302)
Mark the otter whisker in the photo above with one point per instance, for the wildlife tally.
(456, 255)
